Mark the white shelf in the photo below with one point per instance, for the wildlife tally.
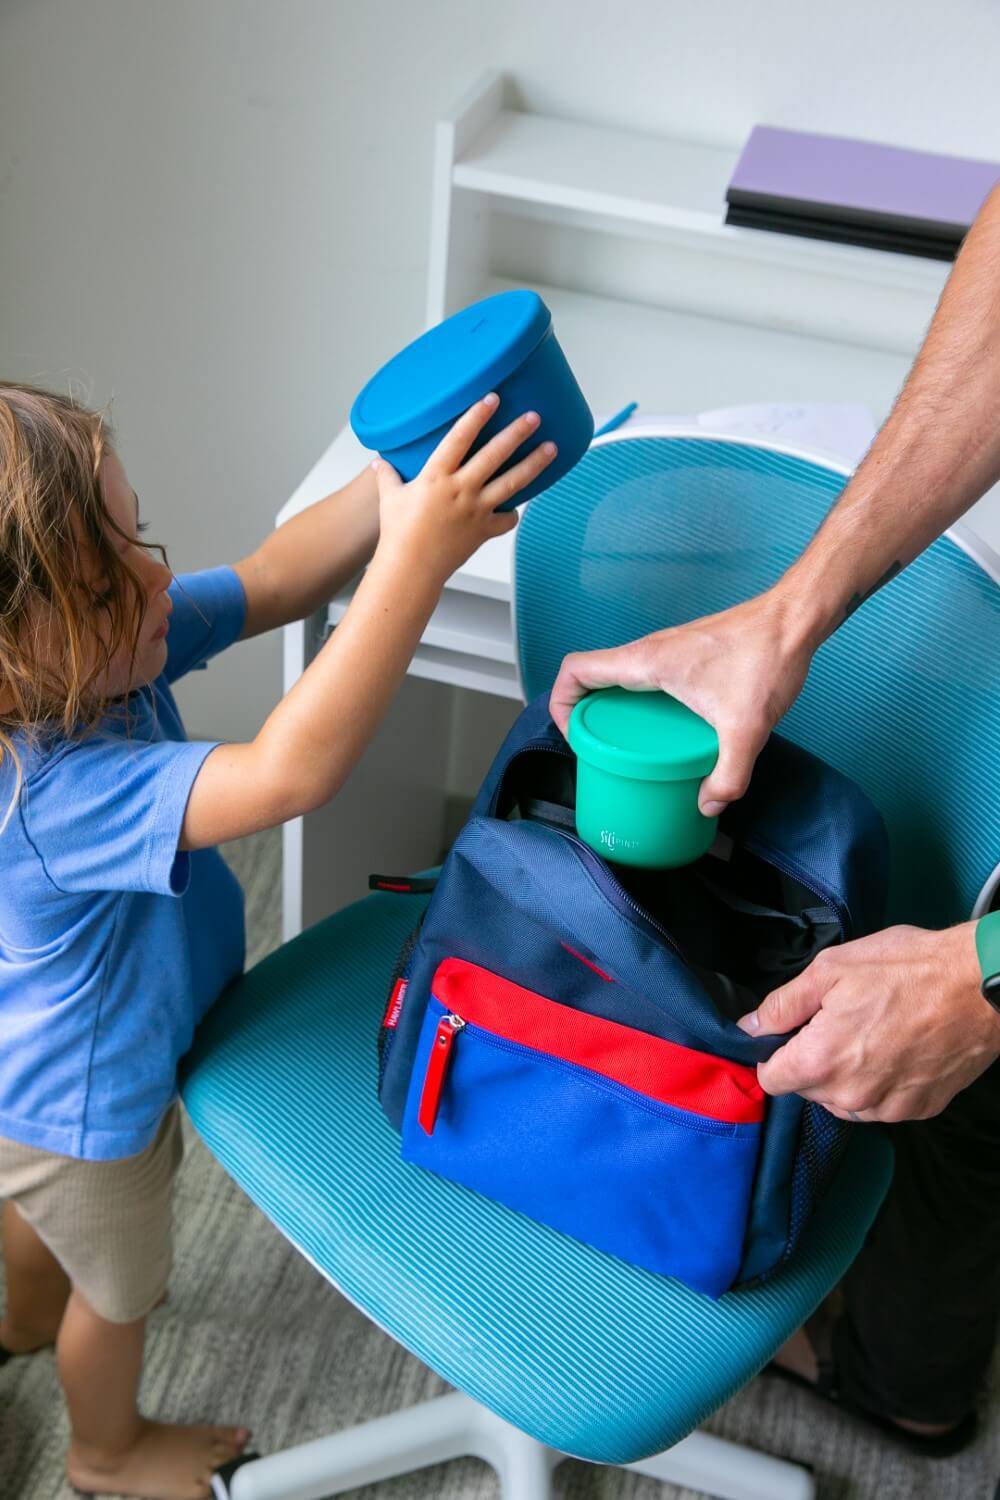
(464, 622)
(624, 175)
(630, 179)
(466, 671)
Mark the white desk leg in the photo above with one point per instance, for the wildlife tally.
(294, 656)
(291, 879)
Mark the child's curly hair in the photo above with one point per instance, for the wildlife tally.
(58, 628)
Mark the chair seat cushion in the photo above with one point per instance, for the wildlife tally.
(589, 1355)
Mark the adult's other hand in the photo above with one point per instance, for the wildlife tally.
(892, 1026)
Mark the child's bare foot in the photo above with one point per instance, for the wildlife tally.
(165, 1462)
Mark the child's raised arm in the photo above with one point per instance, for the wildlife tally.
(310, 743)
(299, 567)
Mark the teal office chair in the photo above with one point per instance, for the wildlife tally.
(555, 1349)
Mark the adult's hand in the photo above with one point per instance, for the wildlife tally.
(741, 670)
(892, 1026)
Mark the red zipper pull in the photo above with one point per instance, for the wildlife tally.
(437, 1066)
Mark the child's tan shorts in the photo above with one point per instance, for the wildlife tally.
(106, 1222)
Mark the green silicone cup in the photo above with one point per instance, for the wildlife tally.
(641, 758)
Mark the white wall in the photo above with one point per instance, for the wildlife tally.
(216, 211)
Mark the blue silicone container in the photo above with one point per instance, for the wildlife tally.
(504, 344)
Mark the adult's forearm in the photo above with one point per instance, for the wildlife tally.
(937, 454)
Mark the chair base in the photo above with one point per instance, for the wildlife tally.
(454, 1426)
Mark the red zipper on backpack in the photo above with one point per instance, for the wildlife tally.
(681, 1077)
(437, 1066)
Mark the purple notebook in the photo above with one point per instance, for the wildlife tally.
(830, 187)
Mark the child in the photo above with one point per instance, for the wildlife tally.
(119, 923)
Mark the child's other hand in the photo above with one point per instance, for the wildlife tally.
(450, 509)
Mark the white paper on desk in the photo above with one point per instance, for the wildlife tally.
(844, 429)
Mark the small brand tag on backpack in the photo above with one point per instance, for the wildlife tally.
(391, 1020)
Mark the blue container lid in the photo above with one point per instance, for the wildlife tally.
(438, 376)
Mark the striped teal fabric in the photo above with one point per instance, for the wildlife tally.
(587, 1354)
(905, 698)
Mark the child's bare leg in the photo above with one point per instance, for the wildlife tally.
(37, 1287)
(112, 1447)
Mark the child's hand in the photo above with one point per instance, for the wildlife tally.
(427, 530)
(441, 517)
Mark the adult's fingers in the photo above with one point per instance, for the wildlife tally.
(503, 489)
(484, 464)
(451, 450)
(798, 1067)
(583, 670)
(730, 777)
(792, 1005)
(852, 1116)
(844, 1099)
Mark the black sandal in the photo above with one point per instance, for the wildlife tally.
(6, 1355)
(819, 1332)
(222, 1478)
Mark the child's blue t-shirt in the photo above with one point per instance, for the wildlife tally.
(112, 943)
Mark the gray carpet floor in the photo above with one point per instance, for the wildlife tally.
(251, 1333)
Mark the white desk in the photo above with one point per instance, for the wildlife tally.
(654, 299)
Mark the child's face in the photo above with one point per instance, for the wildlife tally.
(124, 672)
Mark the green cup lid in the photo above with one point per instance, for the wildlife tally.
(650, 735)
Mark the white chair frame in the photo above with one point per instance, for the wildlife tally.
(454, 1426)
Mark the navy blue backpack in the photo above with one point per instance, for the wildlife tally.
(560, 1033)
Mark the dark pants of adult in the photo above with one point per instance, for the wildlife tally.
(923, 1298)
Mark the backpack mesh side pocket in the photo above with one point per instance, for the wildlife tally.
(822, 1141)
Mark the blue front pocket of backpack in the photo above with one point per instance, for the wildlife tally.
(659, 1186)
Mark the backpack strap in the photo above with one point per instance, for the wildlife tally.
(537, 810)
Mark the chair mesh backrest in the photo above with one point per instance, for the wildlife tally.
(647, 532)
